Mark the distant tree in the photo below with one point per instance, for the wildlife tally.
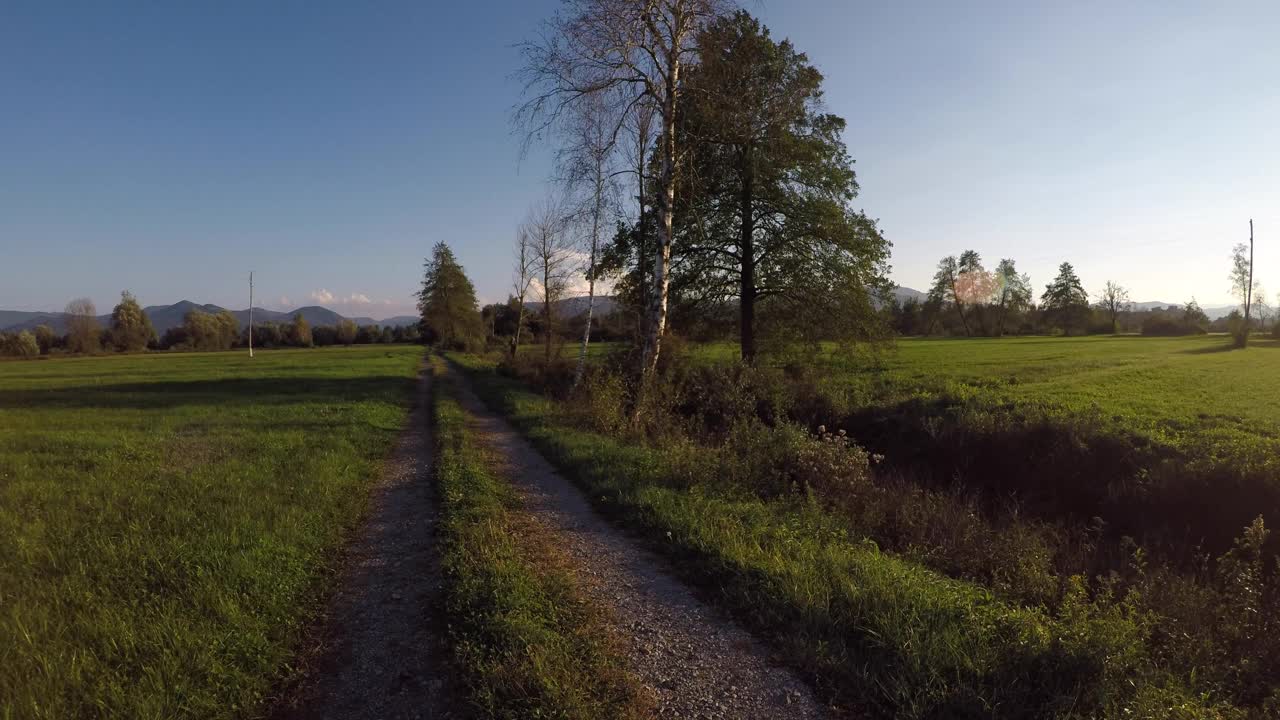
(447, 303)
(522, 274)
(20, 344)
(299, 333)
(1113, 300)
(1194, 317)
(204, 331)
(45, 338)
(1243, 285)
(83, 331)
(368, 334)
(1065, 303)
(1012, 292)
(131, 329)
(346, 331)
(551, 257)
(962, 282)
(324, 335)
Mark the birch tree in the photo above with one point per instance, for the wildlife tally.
(552, 255)
(588, 161)
(621, 54)
(522, 273)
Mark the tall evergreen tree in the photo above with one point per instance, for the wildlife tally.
(764, 219)
(1064, 301)
(447, 302)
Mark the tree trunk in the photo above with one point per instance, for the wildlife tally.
(515, 339)
(746, 247)
(591, 279)
(662, 258)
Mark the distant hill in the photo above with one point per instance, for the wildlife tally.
(164, 317)
(576, 306)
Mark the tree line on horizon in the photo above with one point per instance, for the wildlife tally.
(130, 330)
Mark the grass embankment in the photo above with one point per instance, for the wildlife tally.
(877, 633)
(166, 520)
(526, 644)
(1173, 441)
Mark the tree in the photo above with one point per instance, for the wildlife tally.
(551, 255)
(203, 331)
(345, 331)
(589, 176)
(131, 329)
(622, 54)
(447, 303)
(521, 279)
(21, 344)
(764, 222)
(1242, 284)
(1064, 300)
(1113, 300)
(83, 331)
(45, 338)
(298, 332)
(1013, 292)
(962, 283)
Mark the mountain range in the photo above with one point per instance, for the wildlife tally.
(164, 317)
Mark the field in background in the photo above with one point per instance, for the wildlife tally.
(1172, 383)
(165, 520)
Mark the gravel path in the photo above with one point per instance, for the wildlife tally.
(695, 662)
(379, 654)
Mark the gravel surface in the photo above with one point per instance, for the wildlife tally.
(379, 652)
(694, 661)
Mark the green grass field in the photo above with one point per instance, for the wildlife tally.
(166, 520)
(1177, 383)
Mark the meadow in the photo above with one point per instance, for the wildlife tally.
(167, 520)
(1042, 527)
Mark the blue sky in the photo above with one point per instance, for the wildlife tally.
(168, 148)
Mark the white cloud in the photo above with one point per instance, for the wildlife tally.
(322, 296)
(358, 304)
(359, 299)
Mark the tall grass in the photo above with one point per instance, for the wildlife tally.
(524, 641)
(166, 521)
(877, 633)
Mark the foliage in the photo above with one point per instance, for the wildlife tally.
(447, 303)
(1065, 303)
(45, 338)
(83, 331)
(763, 221)
(882, 635)
(19, 344)
(131, 329)
(345, 332)
(168, 522)
(203, 331)
(298, 332)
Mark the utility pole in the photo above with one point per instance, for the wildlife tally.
(1248, 295)
(251, 310)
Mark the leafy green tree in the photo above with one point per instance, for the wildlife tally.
(964, 283)
(345, 331)
(1065, 303)
(131, 329)
(204, 331)
(1012, 294)
(45, 338)
(21, 344)
(764, 221)
(447, 303)
(83, 331)
(299, 332)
